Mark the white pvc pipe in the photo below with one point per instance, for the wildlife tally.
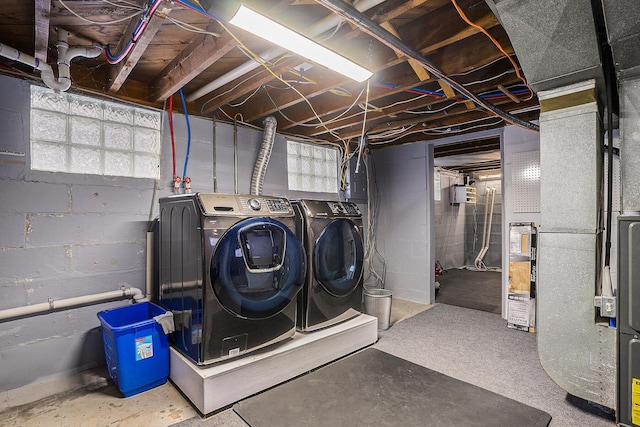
(486, 230)
(16, 55)
(493, 197)
(65, 55)
(52, 305)
(315, 30)
(484, 224)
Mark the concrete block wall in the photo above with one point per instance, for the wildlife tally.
(66, 235)
(61, 238)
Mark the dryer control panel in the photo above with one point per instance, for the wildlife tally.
(244, 205)
(317, 208)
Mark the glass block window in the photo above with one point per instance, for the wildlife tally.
(312, 167)
(77, 134)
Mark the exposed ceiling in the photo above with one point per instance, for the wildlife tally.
(405, 103)
(474, 155)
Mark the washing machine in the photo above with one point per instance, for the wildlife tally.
(230, 270)
(332, 234)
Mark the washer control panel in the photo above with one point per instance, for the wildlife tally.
(244, 205)
(278, 205)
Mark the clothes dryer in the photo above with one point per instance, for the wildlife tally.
(332, 235)
(230, 270)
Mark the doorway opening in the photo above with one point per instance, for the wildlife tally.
(468, 224)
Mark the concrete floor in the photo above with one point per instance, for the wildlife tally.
(104, 405)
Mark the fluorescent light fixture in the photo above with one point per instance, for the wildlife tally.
(269, 30)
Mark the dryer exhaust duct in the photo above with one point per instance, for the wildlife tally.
(262, 162)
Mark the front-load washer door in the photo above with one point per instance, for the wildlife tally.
(257, 268)
(338, 256)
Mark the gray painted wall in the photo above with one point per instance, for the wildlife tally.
(449, 228)
(66, 235)
(405, 191)
(406, 229)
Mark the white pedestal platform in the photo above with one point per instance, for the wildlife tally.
(216, 386)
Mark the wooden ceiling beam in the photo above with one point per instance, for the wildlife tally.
(420, 137)
(119, 72)
(457, 115)
(432, 40)
(420, 71)
(415, 65)
(471, 54)
(234, 91)
(42, 13)
(263, 106)
(203, 51)
(419, 104)
(400, 10)
(477, 54)
(467, 147)
(382, 123)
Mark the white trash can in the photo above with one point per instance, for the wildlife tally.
(377, 302)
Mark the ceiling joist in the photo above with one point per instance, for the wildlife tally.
(185, 49)
(42, 11)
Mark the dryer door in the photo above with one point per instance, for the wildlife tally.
(257, 268)
(338, 257)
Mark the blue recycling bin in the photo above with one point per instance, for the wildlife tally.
(136, 348)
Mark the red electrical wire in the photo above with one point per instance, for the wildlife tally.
(495, 42)
(173, 143)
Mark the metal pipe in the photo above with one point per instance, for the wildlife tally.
(149, 270)
(53, 305)
(262, 162)
(235, 156)
(370, 27)
(214, 159)
(313, 31)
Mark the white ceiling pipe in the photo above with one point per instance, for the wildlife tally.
(65, 55)
(16, 55)
(52, 305)
(314, 30)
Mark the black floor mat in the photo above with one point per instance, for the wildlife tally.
(374, 388)
(479, 290)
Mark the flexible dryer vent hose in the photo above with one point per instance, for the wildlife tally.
(262, 162)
